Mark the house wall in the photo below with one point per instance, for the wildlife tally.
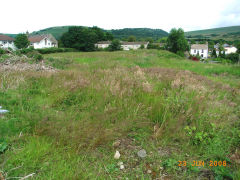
(229, 50)
(102, 45)
(203, 54)
(7, 44)
(42, 44)
(132, 46)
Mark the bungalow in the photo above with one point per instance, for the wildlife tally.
(6, 42)
(199, 49)
(43, 41)
(230, 49)
(133, 45)
(125, 45)
(103, 44)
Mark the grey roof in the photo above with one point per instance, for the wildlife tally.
(133, 43)
(104, 42)
(199, 46)
(38, 38)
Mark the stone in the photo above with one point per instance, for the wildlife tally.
(117, 155)
(116, 143)
(149, 171)
(142, 153)
(122, 167)
(120, 163)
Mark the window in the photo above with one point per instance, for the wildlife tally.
(202, 50)
(194, 50)
(46, 41)
(202, 55)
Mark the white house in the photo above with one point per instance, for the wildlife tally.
(199, 49)
(103, 44)
(230, 49)
(133, 45)
(6, 42)
(43, 41)
(125, 45)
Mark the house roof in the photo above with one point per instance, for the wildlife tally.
(199, 46)
(104, 42)
(6, 38)
(38, 38)
(133, 43)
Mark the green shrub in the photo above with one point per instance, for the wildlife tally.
(55, 50)
(2, 51)
(233, 57)
(35, 55)
(26, 50)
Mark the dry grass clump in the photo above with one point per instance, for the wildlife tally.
(123, 81)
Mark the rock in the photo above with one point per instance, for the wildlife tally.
(120, 163)
(2, 111)
(117, 155)
(122, 167)
(142, 153)
(116, 143)
(149, 171)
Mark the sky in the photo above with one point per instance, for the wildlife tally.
(18, 16)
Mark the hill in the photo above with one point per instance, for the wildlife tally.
(226, 33)
(139, 33)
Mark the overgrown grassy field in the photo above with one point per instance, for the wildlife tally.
(68, 124)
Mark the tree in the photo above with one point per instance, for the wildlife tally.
(176, 41)
(21, 41)
(214, 53)
(131, 39)
(221, 52)
(84, 38)
(115, 45)
(238, 48)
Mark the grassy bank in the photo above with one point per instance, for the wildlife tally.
(62, 125)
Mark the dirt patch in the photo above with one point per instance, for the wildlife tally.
(23, 66)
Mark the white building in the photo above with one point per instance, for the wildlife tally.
(230, 49)
(43, 41)
(199, 49)
(6, 42)
(133, 45)
(125, 45)
(103, 44)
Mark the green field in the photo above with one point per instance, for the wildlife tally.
(227, 33)
(62, 125)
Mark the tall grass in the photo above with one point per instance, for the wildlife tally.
(62, 125)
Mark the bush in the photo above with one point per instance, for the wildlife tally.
(2, 51)
(26, 50)
(222, 60)
(153, 46)
(180, 53)
(233, 57)
(55, 50)
(35, 55)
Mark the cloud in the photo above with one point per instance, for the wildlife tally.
(230, 16)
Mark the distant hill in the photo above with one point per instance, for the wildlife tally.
(226, 33)
(117, 33)
(57, 32)
(139, 33)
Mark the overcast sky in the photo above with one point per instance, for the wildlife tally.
(21, 15)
